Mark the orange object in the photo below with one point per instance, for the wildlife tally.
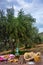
(6, 56)
(10, 60)
(37, 58)
(15, 60)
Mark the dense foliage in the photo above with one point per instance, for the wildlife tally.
(16, 31)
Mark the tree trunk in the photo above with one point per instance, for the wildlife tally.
(26, 45)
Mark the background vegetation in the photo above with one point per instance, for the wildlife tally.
(17, 31)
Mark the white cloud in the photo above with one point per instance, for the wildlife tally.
(23, 4)
(9, 0)
(40, 29)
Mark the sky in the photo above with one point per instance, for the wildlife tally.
(34, 7)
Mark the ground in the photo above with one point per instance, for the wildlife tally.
(21, 61)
